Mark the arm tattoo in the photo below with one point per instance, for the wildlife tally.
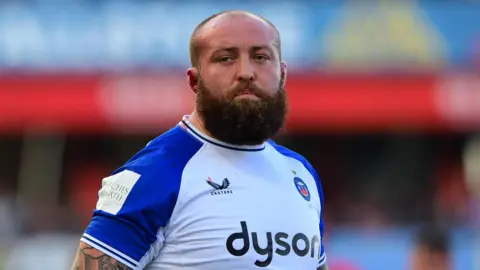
(89, 258)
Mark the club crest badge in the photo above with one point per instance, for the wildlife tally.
(302, 188)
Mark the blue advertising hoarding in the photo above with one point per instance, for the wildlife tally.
(335, 34)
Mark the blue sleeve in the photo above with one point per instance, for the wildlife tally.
(135, 204)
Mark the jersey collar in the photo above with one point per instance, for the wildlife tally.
(192, 130)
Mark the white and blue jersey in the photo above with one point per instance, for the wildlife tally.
(188, 201)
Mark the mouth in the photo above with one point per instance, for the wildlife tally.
(247, 96)
(246, 93)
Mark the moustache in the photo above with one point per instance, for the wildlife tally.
(250, 87)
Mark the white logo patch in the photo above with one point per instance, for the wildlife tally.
(115, 190)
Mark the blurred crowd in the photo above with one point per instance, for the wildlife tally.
(381, 184)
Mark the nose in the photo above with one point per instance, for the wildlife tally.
(245, 71)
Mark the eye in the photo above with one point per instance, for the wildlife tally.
(225, 59)
(261, 58)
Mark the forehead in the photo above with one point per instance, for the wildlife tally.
(237, 30)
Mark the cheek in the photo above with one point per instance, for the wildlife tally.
(215, 79)
(214, 86)
(270, 80)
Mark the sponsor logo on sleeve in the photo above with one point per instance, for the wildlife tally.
(115, 190)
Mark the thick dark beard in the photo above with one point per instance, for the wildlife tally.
(242, 122)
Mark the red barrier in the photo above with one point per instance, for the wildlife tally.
(319, 102)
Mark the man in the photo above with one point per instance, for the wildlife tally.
(215, 192)
(431, 250)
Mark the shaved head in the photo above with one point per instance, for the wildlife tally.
(219, 20)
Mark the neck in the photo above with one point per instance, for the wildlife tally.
(196, 120)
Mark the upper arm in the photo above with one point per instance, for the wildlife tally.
(135, 203)
(128, 220)
(134, 206)
(89, 257)
(323, 256)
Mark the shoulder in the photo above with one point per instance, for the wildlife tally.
(152, 177)
(166, 154)
(292, 154)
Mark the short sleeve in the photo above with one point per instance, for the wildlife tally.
(127, 222)
(135, 203)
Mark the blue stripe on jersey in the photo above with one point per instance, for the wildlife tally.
(323, 259)
(289, 153)
(149, 204)
(110, 251)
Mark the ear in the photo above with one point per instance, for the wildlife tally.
(283, 74)
(192, 78)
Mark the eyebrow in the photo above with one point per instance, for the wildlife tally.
(229, 49)
(252, 49)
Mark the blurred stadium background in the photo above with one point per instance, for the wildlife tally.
(385, 102)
